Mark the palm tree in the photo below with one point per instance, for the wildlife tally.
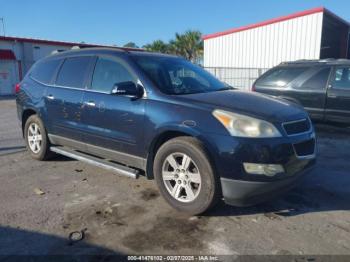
(188, 45)
(157, 46)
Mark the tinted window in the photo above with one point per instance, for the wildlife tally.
(44, 71)
(176, 76)
(73, 72)
(280, 76)
(318, 80)
(342, 78)
(109, 73)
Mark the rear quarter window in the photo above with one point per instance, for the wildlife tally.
(280, 76)
(44, 71)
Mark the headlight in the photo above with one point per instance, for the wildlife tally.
(245, 126)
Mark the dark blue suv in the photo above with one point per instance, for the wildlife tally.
(160, 116)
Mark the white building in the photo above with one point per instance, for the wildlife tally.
(311, 34)
(17, 55)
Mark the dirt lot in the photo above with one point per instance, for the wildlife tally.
(123, 215)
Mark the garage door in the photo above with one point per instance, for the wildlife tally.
(8, 77)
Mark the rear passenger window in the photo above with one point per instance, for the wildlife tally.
(109, 73)
(73, 72)
(44, 71)
(318, 80)
(280, 76)
(342, 78)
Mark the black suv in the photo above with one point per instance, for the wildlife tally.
(163, 117)
(322, 87)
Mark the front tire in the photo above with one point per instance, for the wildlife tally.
(36, 138)
(185, 176)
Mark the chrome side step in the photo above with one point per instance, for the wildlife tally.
(103, 163)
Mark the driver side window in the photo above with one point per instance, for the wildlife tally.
(342, 78)
(109, 73)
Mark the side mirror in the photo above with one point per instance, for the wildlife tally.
(128, 88)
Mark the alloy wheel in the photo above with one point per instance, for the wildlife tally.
(34, 138)
(181, 177)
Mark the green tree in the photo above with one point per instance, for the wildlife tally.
(131, 45)
(157, 46)
(188, 45)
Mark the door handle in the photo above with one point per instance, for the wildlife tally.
(332, 96)
(50, 97)
(90, 103)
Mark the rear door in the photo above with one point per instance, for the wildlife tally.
(338, 96)
(311, 91)
(64, 98)
(112, 122)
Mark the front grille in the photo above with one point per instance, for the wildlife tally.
(297, 127)
(305, 148)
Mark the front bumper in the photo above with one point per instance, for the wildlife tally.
(247, 193)
(240, 188)
(229, 153)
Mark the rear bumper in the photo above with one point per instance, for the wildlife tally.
(247, 193)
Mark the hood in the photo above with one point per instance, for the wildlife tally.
(249, 103)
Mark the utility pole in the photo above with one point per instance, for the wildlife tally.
(3, 25)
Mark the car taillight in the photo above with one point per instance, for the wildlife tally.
(17, 88)
(253, 89)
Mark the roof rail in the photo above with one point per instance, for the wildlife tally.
(326, 60)
(343, 60)
(307, 60)
(77, 47)
(57, 51)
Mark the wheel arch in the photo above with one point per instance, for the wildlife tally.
(166, 135)
(25, 115)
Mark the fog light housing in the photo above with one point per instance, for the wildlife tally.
(263, 169)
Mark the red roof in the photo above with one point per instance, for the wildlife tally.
(7, 54)
(61, 43)
(272, 21)
(43, 41)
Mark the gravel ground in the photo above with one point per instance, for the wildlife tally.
(120, 215)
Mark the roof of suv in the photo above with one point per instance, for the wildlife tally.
(329, 61)
(104, 50)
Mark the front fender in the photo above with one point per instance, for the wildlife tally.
(171, 131)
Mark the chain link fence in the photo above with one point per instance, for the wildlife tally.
(242, 78)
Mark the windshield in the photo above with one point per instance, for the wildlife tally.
(177, 76)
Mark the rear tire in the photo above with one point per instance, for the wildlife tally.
(37, 142)
(185, 176)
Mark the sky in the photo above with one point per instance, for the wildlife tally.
(116, 22)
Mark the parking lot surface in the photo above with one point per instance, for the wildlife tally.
(42, 203)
